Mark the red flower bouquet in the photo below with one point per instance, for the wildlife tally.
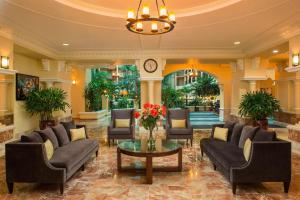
(150, 114)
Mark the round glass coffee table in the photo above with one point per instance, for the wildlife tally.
(136, 148)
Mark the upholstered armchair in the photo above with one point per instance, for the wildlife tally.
(185, 132)
(114, 132)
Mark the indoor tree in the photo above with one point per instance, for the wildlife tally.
(100, 85)
(172, 98)
(258, 106)
(205, 87)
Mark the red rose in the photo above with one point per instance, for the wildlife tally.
(147, 105)
(156, 106)
(154, 113)
(137, 115)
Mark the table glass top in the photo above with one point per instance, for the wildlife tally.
(137, 146)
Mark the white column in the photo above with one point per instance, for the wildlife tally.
(252, 86)
(151, 91)
(297, 95)
(221, 110)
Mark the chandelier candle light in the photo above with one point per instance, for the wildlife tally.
(142, 22)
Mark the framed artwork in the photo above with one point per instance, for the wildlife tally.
(24, 84)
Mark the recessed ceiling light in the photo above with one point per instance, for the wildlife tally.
(275, 51)
(65, 44)
(237, 43)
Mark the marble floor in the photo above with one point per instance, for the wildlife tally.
(198, 180)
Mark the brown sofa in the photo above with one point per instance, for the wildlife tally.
(270, 158)
(26, 160)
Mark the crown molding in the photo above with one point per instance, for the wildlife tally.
(55, 80)
(166, 54)
(255, 78)
(151, 78)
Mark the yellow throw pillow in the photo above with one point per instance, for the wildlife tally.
(247, 149)
(122, 123)
(178, 123)
(49, 149)
(77, 134)
(221, 133)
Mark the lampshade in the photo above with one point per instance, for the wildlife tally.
(5, 62)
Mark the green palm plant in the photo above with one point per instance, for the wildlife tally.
(258, 106)
(43, 102)
(206, 86)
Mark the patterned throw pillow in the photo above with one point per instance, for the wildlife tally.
(221, 133)
(178, 123)
(77, 134)
(49, 149)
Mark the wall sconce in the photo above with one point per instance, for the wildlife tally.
(5, 62)
(295, 59)
(74, 82)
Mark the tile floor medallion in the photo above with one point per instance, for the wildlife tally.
(198, 180)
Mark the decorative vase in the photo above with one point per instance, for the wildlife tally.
(151, 141)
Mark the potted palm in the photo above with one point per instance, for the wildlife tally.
(258, 106)
(44, 102)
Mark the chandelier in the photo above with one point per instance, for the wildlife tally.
(142, 22)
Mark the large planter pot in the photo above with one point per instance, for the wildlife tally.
(47, 123)
(263, 123)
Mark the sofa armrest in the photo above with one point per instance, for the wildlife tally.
(83, 126)
(28, 162)
(214, 126)
(269, 161)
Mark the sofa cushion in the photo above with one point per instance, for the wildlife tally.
(32, 137)
(236, 134)
(78, 134)
(49, 134)
(221, 133)
(122, 123)
(61, 134)
(49, 149)
(247, 132)
(120, 131)
(230, 126)
(228, 155)
(247, 149)
(178, 123)
(68, 126)
(71, 154)
(264, 135)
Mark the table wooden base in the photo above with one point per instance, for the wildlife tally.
(149, 163)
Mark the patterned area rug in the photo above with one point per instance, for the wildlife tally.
(198, 180)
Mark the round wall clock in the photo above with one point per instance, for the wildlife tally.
(150, 65)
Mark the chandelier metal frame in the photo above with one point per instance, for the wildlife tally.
(132, 23)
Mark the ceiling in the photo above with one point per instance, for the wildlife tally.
(97, 27)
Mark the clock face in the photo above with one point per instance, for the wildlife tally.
(150, 65)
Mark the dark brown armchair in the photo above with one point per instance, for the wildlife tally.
(121, 133)
(179, 133)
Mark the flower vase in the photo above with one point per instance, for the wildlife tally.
(151, 141)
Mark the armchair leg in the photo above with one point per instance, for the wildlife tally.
(96, 153)
(215, 167)
(233, 188)
(82, 167)
(191, 142)
(108, 142)
(61, 188)
(10, 187)
(286, 186)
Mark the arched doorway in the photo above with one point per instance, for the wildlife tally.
(195, 90)
(223, 75)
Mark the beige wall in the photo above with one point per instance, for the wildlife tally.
(31, 66)
(77, 91)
